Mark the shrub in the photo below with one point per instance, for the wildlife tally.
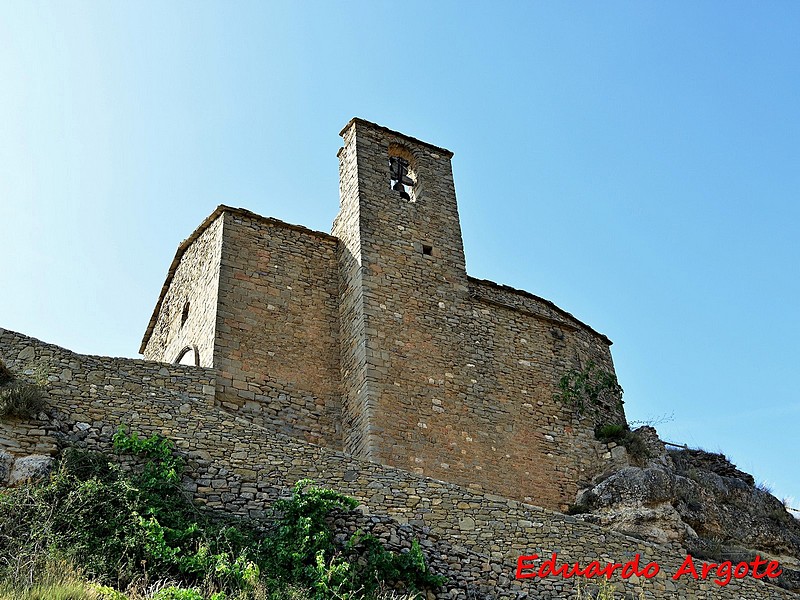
(633, 443)
(6, 376)
(21, 400)
(176, 593)
(122, 526)
(578, 509)
(610, 432)
(302, 551)
(636, 447)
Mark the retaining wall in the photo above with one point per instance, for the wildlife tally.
(238, 466)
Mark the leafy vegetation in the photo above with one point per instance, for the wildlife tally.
(127, 527)
(592, 386)
(611, 432)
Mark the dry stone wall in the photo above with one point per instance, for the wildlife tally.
(241, 467)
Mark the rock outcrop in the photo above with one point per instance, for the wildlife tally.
(696, 500)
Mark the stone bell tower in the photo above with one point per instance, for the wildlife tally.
(402, 274)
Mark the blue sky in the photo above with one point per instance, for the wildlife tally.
(634, 162)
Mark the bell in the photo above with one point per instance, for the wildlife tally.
(399, 187)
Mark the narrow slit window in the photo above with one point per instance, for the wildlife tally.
(185, 313)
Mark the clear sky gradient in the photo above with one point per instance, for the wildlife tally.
(634, 162)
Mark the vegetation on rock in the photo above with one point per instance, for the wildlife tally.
(630, 440)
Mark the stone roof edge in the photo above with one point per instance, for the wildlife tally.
(561, 311)
(222, 208)
(433, 147)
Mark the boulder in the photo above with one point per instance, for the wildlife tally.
(30, 468)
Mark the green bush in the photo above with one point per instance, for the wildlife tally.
(592, 386)
(633, 443)
(176, 593)
(302, 551)
(126, 525)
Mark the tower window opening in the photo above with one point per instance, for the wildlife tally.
(427, 250)
(401, 181)
(185, 313)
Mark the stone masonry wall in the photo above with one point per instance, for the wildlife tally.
(277, 341)
(80, 389)
(238, 466)
(530, 344)
(451, 377)
(377, 342)
(185, 315)
(357, 397)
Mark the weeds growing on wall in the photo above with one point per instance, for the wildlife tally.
(122, 527)
(632, 441)
(18, 398)
(592, 386)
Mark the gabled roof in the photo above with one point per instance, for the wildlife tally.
(221, 209)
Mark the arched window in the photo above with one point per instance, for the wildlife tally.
(402, 173)
(190, 355)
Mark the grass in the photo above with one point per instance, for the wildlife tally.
(21, 400)
(622, 435)
(70, 585)
(18, 398)
(57, 581)
(601, 590)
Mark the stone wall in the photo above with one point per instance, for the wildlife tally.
(257, 299)
(375, 340)
(238, 466)
(357, 396)
(185, 314)
(277, 343)
(446, 375)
